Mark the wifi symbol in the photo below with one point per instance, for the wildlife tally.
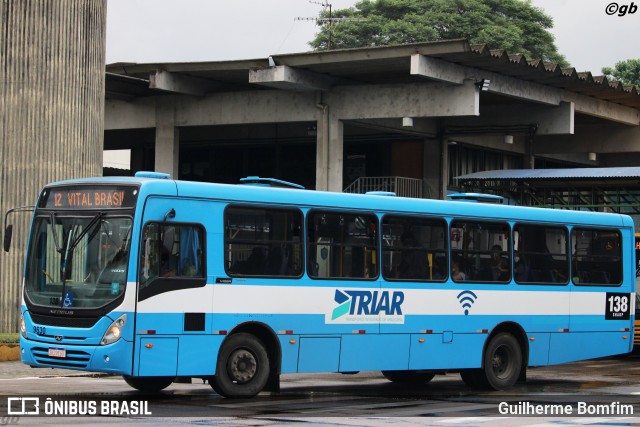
(466, 299)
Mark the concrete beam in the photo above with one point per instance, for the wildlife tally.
(176, 83)
(437, 69)
(603, 109)
(596, 139)
(288, 78)
(409, 100)
(550, 120)
(129, 115)
(264, 106)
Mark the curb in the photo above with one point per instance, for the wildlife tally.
(9, 352)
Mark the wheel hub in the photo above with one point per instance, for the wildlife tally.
(500, 361)
(242, 366)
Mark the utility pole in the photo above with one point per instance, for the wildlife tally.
(327, 20)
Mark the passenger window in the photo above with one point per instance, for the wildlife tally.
(480, 251)
(414, 249)
(171, 251)
(540, 254)
(342, 245)
(597, 257)
(264, 242)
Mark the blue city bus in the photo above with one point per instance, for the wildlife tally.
(153, 279)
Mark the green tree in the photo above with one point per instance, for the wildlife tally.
(628, 72)
(514, 25)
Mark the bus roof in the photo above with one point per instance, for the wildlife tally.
(381, 203)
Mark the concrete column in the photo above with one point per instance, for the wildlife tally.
(529, 158)
(167, 138)
(444, 162)
(336, 154)
(322, 148)
(51, 112)
(329, 150)
(431, 170)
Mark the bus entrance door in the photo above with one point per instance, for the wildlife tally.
(172, 332)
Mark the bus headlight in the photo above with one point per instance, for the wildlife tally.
(114, 331)
(23, 327)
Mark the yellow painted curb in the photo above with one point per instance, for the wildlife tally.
(9, 352)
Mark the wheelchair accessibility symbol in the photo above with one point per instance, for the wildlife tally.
(68, 299)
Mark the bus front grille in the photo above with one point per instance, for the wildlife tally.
(636, 334)
(74, 358)
(68, 322)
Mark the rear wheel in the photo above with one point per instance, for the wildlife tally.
(501, 364)
(409, 377)
(243, 367)
(148, 384)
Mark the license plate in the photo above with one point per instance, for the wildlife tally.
(57, 352)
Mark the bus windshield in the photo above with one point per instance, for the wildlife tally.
(77, 261)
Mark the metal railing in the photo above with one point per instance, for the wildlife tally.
(403, 187)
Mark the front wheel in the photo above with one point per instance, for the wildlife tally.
(409, 377)
(243, 367)
(148, 384)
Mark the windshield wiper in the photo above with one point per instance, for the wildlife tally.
(88, 228)
(52, 218)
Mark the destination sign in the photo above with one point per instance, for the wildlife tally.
(103, 197)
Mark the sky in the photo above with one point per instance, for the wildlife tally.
(217, 30)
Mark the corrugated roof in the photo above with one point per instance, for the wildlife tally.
(632, 172)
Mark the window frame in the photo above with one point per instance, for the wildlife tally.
(621, 261)
(453, 253)
(291, 209)
(158, 284)
(314, 211)
(417, 218)
(568, 256)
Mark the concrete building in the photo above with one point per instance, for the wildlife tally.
(368, 118)
(52, 110)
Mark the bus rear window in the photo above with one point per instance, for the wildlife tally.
(597, 257)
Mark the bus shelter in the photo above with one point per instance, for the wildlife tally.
(595, 189)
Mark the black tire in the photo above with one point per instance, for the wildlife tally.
(409, 377)
(148, 384)
(501, 364)
(243, 367)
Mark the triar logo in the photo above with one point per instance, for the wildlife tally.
(367, 307)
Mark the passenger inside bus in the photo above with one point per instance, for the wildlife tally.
(456, 274)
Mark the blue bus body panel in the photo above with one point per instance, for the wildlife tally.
(86, 354)
(428, 329)
(319, 354)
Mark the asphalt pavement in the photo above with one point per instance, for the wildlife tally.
(18, 369)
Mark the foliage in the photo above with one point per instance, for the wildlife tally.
(7, 338)
(514, 25)
(628, 72)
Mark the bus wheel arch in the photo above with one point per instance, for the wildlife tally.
(258, 345)
(504, 359)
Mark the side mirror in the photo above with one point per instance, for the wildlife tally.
(8, 228)
(8, 233)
